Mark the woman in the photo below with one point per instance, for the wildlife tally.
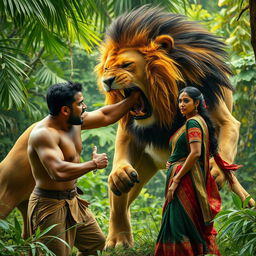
(192, 197)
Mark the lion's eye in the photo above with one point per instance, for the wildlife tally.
(106, 69)
(126, 65)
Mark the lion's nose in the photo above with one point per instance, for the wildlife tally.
(109, 81)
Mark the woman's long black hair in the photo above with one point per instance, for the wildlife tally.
(195, 94)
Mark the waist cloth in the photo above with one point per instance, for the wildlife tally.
(44, 202)
(56, 194)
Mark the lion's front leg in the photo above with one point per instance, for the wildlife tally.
(121, 180)
(120, 231)
(124, 187)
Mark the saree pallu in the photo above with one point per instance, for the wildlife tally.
(187, 227)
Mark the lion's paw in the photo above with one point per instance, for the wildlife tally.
(122, 239)
(122, 179)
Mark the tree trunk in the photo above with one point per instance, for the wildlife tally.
(252, 4)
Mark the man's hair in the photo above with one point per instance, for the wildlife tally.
(61, 94)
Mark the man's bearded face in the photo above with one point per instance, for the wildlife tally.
(75, 119)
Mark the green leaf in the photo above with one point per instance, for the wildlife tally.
(33, 248)
(58, 238)
(37, 233)
(246, 201)
(237, 201)
(45, 231)
(4, 225)
(18, 231)
(43, 248)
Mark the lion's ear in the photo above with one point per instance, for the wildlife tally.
(165, 42)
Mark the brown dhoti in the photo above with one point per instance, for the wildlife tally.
(75, 222)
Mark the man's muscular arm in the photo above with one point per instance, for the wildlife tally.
(45, 143)
(108, 114)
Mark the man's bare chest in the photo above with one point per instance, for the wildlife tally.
(71, 146)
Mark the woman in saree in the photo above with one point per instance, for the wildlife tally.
(192, 196)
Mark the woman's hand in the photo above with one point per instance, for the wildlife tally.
(172, 188)
(167, 166)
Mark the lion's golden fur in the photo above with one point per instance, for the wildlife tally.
(193, 57)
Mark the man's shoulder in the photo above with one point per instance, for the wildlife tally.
(43, 133)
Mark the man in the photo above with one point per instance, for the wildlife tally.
(54, 149)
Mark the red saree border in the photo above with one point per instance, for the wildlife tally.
(188, 200)
(176, 249)
(184, 249)
(194, 134)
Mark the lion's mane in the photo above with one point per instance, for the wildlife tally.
(197, 58)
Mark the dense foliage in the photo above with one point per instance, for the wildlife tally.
(237, 229)
(12, 243)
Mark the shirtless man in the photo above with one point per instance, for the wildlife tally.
(54, 149)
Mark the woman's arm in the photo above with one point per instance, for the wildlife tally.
(195, 153)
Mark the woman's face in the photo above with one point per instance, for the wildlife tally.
(187, 105)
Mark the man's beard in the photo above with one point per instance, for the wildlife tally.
(75, 120)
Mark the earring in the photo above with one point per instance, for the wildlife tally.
(196, 109)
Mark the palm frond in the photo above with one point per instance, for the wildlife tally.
(121, 6)
(7, 122)
(86, 36)
(12, 91)
(37, 18)
(47, 76)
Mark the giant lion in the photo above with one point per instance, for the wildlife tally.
(157, 53)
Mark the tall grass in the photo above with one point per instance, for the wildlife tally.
(12, 243)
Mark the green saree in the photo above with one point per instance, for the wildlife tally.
(187, 227)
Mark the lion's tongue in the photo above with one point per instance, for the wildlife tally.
(137, 110)
(137, 113)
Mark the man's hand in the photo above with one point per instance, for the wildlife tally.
(101, 160)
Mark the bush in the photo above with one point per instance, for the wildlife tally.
(12, 243)
(237, 229)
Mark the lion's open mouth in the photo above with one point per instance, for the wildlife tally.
(142, 108)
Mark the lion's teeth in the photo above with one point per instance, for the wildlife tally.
(133, 113)
(122, 92)
(137, 113)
